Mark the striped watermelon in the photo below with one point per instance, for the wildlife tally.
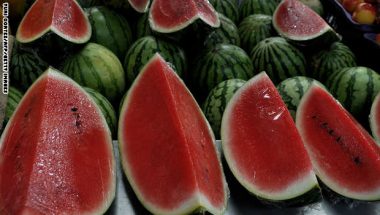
(14, 97)
(227, 8)
(330, 60)
(278, 58)
(106, 108)
(121, 5)
(110, 29)
(217, 101)
(253, 29)
(223, 62)
(98, 68)
(144, 49)
(355, 88)
(249, 7)
(292, 90)
(26, 66)
(89, 3)
(315, 5)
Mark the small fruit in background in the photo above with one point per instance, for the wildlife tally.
(350, 5)
(364, 13)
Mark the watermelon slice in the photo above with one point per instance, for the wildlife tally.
(139, 5)
(374, 118)
(63, 17)
(298, 23)
(56, 153)
(167, 146)
(168, 16)
(262, 146)
(344, 156)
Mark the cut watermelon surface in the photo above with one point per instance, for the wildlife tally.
(262, 146)
(63, 17)
(167, 146)
(172, 15)
(56, 153)
(139, 5)
(344, 155)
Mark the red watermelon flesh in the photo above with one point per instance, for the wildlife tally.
(262, 145)
(294, 20)
(344, 155)
(375, 118)
(139, 5)
(172, 15)
(63, 17)
(167, 146)
(56, 152)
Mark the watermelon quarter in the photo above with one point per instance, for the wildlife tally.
(262, 146)
(167, 146)
(60, 160)
(344, 156)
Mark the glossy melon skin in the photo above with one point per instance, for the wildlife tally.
(60, 160)
(167, 147)
(344, 155)
(259, 140)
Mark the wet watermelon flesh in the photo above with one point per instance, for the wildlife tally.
(64, 16)
(166, 143)
(56, 154)
(341, 151)
(298, 20)
(262, 139)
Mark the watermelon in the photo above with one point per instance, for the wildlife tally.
(63, 17)
(139, 5)
(259, 141)
(331, 59)
(26, 66)
(89, 3)
(61, 159)
(98, 68)
(344, 156)
(110, 29)
(167, 147)
(14, 98)
(217, 100)
(144, 48)
(292, 90)
(168, 16)
(221, 63)
(315, 5)
(249, 7)
(299, 24)
(280, 59)
(228, 8)
(355, 88)
(106, 108)
(253, 29)
(374, 118)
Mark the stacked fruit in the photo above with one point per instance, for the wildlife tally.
(363, 11)
(148, 66)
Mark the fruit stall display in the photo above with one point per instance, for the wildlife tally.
(192, 106)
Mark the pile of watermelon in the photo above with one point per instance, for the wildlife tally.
(271, 79)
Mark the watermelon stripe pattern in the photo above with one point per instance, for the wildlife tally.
(249, 7)
(355, 88)
(110, 29)
(227, 8)
(221, 63)
(98, 68)
(278, 58)
(14, 98)
(144, 48)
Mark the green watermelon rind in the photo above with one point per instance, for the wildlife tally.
(53, 72)
(249, 7)
(306, 188)
(14, 98)
(198, 203)
(331, 185)
(228, 8)
(374, 125)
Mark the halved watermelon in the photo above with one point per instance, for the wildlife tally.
(374, 118)
(344, 156)
(298, 23)
(63, 17)
(139, 5)
(172, 15)
(56, 154)
(262, 146)
(167, 147)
